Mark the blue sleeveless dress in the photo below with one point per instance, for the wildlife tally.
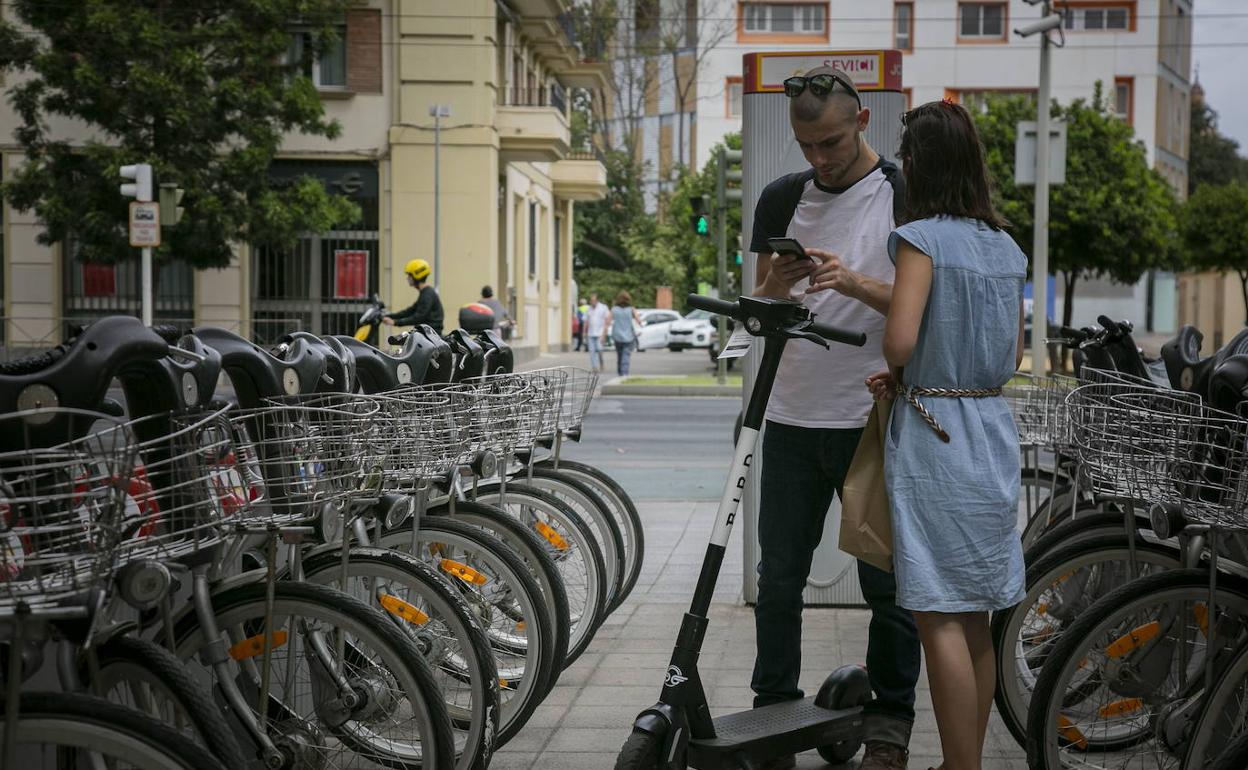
(955, 505)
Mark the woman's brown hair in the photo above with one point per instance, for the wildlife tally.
(623, 299)
(943, 161)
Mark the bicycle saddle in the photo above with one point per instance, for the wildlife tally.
(171, 384)
(377, 371)
(339, 375)
(75, 374)
(499, 358)
(257, 374)
(469, 355)
(1228, 385)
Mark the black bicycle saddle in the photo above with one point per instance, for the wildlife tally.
(469, 355)
(257, 374)
(1228, 384)
(74, 374)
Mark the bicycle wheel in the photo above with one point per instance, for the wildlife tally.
(532, 549)
(570, 544)
(1235, 757)
(146, 677)
(506, 601)
(1060, 587)
(1223, 718)
(1107, 694)
(84, 732)
(593, 511)
(1035, 484)
(621, 508)
(1088, 522)
(1053, 511)
(433, 613)
(321, 640)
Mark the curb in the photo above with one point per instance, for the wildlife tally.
(614, 387)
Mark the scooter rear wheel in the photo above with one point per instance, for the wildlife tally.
(640, 752)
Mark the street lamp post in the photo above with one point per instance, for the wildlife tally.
(437, 111)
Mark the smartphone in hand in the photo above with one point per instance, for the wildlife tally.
(788, 246)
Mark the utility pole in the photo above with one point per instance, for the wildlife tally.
(438, 111)
(724, 194)
(1040, 236)
(144, 226)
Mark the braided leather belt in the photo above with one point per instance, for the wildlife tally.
(911, 394)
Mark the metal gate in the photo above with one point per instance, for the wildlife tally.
(92, 290)
(322, 285)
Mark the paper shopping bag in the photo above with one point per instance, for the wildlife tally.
(866, 524)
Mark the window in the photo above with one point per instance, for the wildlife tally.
(1124, 98)
(532, 238)
(1117, 17)
(329, 69)
(785, 18)
(732, 91)
(558, 244)
(981, 21)
(903, 26)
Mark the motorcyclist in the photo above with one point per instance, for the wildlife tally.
(427, 309)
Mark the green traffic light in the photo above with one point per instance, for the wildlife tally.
(704, 227)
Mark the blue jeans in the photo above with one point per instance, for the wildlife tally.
(623, 352)
(594, 344)
(802, 469)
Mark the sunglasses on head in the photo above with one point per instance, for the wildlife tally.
(819, 85)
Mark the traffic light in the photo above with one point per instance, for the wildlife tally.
(170, 197)
(700, 220)
(141, 188)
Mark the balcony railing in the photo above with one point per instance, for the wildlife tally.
(546, 96)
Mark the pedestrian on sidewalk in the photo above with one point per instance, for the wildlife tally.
(578, 324)
(842, 211)
(624, 324)
(953, 339)
(597, 318)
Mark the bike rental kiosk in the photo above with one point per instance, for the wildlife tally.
(768, 152)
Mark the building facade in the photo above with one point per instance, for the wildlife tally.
(507, 183)
(1139, 49)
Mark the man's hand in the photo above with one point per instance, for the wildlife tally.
(387, 320)
(832, 274)
(882, 386)
(785, 270)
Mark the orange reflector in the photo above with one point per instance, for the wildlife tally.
(1067, 730)
(1128, 642)
(1202, 617)
(520, 625)
(463, 572)
(253, 646)
(1120, 707)
(553, 537)
(1042, 608)
(401, 609)
(435, 549)
(502, 683)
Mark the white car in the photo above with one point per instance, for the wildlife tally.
(692, 331)
(654, 325)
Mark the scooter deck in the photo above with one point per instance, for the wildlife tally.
(781, 728)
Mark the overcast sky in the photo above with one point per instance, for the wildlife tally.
(1220, 41)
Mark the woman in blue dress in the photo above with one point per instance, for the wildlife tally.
(953, 338)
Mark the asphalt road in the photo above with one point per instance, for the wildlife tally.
(660, 448)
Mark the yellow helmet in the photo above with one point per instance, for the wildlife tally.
(418, 269)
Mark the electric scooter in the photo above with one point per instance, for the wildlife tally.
(678, 731)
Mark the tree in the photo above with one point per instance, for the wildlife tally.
(1215, 231)
(202, 91)
(1114, 216)
(601, 227)
(1212, 157)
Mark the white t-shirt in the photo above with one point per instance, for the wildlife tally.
(818, 388)
(596, 319)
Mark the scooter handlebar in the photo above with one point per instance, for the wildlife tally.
(843, 336)
(716, 306)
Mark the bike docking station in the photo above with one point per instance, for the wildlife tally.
(678, 731)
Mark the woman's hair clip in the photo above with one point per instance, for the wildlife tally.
(948, 100)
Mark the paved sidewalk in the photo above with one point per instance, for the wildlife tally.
(589, 713)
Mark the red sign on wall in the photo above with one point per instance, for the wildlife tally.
(350, 274)
(99, 280)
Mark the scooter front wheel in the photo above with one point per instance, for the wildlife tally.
(640, 752)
